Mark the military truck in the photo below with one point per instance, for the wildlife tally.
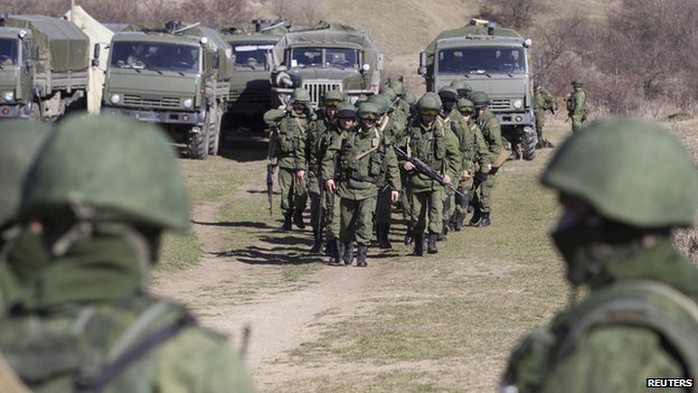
(494, 60)
(172, 74)
(44, 64)
(249, 88)
(325, 57)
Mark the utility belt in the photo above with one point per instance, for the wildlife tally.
(352, 175)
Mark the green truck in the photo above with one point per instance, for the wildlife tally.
(494, 60)
(250, 86)
(175, 75)
(325, 57)
(44, 64)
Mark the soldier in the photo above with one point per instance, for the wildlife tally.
(462, 87)
(639, 318)
(103, 191)
(345, 125)
(317, 143)
(288, 152)
(576, 105)
(363, 156)
(454, 125)
(473, 154)
(403, 105)
(485, 178)
(426, 140)
(21, 253)
(542, 101)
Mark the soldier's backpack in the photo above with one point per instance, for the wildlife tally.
(92, 349)
(571, 103)
(641, 303)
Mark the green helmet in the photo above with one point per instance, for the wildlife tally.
(382, 103)
(121, 169)
(448, 93)
(480, 99)
(398, 87)
(19, 143)
(368, 110)
(465, 104)
(629, 171)
(410, 98)
(462, 87)
(330, 96)
(577, 82)
(389, 93)
(300, 95)
(346, 110)
(430, 100)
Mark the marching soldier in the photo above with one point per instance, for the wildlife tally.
(542, 101)
(453, 126)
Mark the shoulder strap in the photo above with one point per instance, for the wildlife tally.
(648, 304)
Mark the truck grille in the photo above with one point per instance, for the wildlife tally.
(162, 102)
(500, 105)
(317, 89)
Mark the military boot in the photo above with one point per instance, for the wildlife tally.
(409, 237)
(317, 242)
(333, 251)
(348, 252)
(477, 216)
(418, 245)
(484, 221)
(458, 221)
(361, 255)
(287, 221)
(298, 218)
(443, 236)
(431, 243)
(383, 241)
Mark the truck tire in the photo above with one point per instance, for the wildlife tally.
(528, 145)
(198, 145)
(215, 132)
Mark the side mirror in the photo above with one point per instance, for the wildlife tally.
(422, 60)
(96, 52)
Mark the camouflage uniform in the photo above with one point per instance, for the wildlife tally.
(363, 156)
(87, 323)
(576, 105)
(640, 316)
(454, 125)
(542, 101)
(429, 143)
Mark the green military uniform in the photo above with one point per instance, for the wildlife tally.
(576, 105)
(288, 152)
(454, 124)
(363, 158)
(86, 322)
(428, 142)
(640, 317)
(542, 101)
(486, 177)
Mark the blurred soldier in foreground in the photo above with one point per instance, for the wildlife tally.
(576, 105)
(103, 190)
(287, 150)
(542, 101)
(640, 317)
(363, 156)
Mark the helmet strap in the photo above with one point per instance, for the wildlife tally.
(80, 231)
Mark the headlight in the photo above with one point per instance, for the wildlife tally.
(518, 104)
(188, 103)
(115, 98)
(8, 96)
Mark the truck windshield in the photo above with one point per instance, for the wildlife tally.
(482, 60)
(251, 55)
(329, 57)
(8, 52)
(156, 56)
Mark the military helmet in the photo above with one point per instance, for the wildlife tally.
(389, 93)
(448, 93)
(20, 141)
(300, 95)
(461, 86)
(332, 96)
(119, 168)
(346, 110)
(577, 82)
(368, 110)
(480, 99)
(465, 105)
(629, 171)
(382, 103)
(429, 100)
(410, 98)
(398, 87)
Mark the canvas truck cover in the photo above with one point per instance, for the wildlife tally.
(326, 34)
(474, 28)
(62, 46)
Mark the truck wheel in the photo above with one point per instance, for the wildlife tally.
(528, 145)
(198, 145)
(215, 132)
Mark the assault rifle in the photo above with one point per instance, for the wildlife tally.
(426, 170)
